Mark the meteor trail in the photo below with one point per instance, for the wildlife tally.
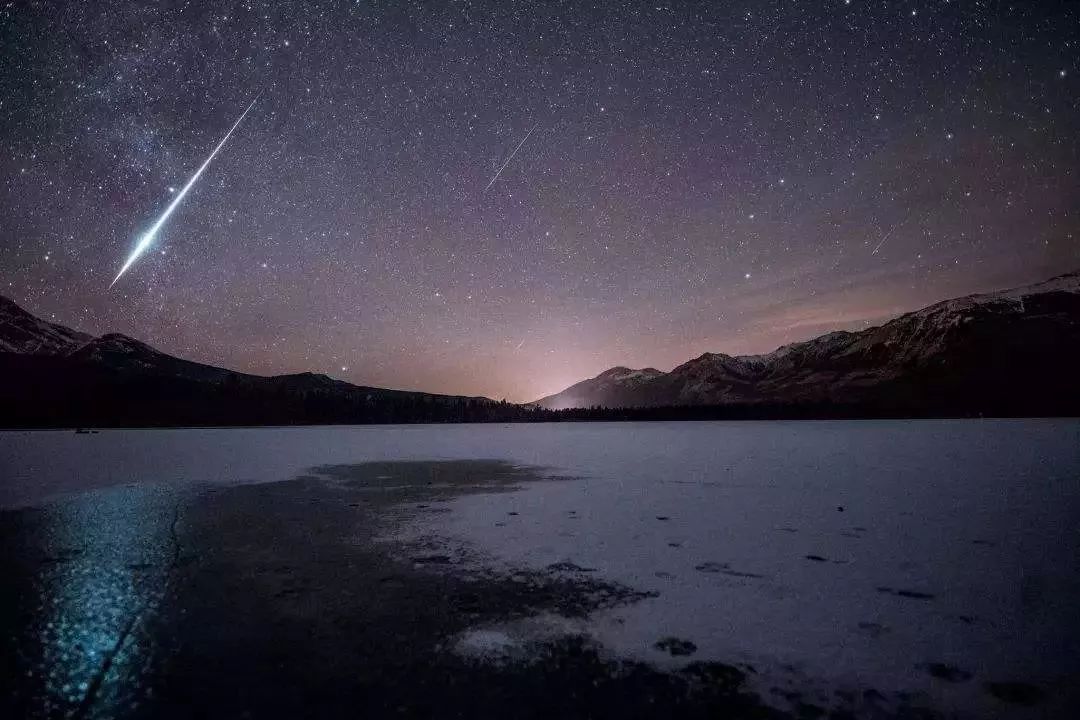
(499, 172)
(886, 237)
(148, 238)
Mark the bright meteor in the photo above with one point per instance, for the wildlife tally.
(148, 238)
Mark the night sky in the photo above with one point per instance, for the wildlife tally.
(699, 177)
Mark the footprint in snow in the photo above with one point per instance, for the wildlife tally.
(675, 646)
(873, 629)
(567, 566)
(948, 673)
(914, 594)
(1017, 693)
(724, 569)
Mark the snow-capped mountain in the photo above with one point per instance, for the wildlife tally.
(21, 332)
(621, 386)
(1019, 342)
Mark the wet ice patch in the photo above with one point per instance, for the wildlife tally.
(487, 644)
(516, 640)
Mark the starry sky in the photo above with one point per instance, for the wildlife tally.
(688, 177)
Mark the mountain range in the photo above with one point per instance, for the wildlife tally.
(1015, 352)
(52, 376)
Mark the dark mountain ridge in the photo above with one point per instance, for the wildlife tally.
(1014, 351)
(1008, 353)
(53, 376)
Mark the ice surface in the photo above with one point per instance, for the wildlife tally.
(514, 641)
(486, 642)
(828, 555)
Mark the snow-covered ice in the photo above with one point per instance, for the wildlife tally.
(829, 556)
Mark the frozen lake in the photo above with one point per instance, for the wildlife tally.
(937, 561)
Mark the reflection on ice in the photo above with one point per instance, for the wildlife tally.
(107, 567)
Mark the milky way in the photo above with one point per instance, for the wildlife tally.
(703, 177)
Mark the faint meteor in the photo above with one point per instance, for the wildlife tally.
(885, 237)
(520, 344)
(499, 171)
(148, 238)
